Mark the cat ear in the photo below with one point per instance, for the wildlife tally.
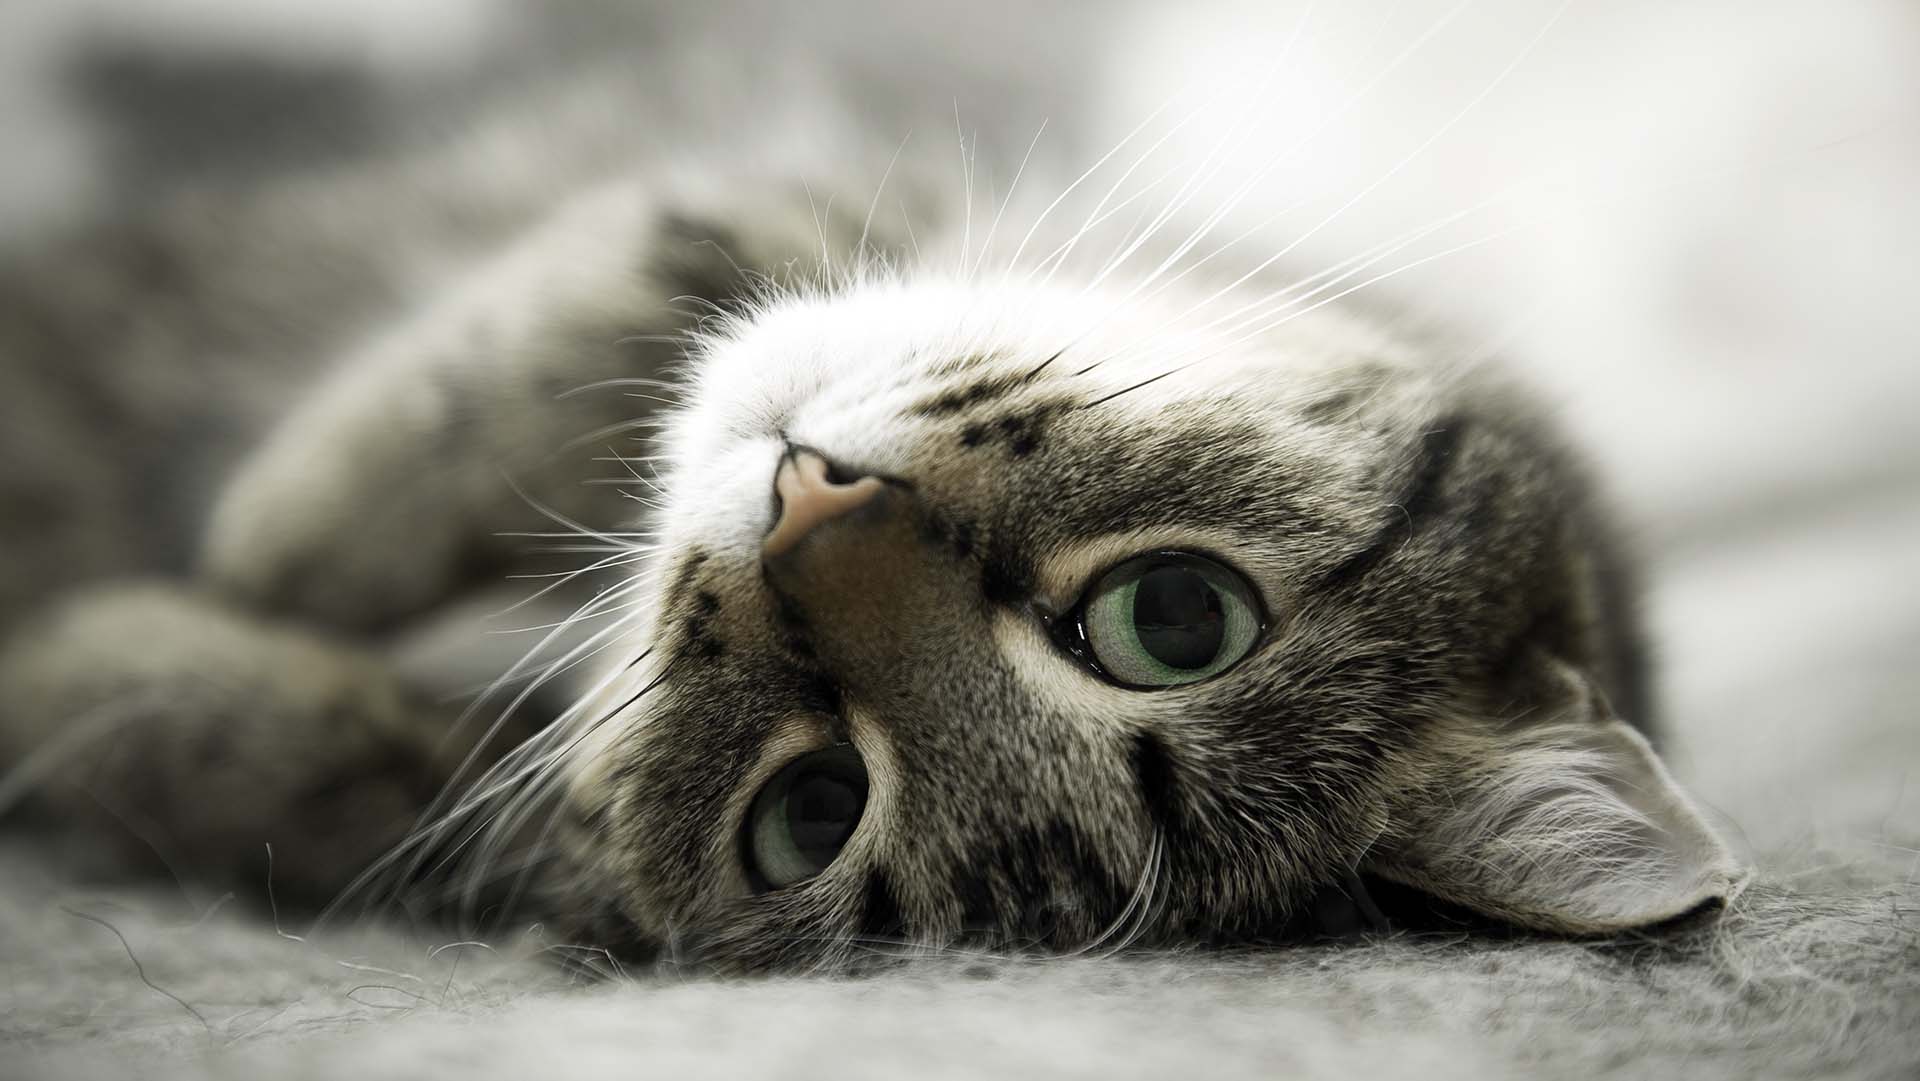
(1568, 824)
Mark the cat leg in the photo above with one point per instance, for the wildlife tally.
(179, 730)
(396, 481)
(506, 406)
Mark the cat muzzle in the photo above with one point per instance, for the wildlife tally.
(851, 558)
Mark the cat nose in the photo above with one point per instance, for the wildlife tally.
(860, 586)
(809, 496)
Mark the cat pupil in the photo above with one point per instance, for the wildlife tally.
(1178, 617)
(822, 810)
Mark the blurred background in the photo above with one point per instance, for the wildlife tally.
(1694, 224)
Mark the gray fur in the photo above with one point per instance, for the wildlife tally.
(1428, 552)
(1451, 635)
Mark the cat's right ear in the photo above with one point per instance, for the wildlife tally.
(1564, 822)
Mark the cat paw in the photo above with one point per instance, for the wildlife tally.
(155, 717)
(341, 517)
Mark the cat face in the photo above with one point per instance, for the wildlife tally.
(1084, 623)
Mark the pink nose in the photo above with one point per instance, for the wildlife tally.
(808, 497)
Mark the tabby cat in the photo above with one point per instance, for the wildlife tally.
(961, 570)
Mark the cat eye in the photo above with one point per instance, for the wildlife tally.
(1164, 619)
(802, 818)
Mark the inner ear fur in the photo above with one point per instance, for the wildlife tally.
(1562, 820)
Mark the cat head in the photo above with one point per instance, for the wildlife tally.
(1051, 616)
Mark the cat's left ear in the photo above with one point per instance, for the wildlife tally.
(1566, 822)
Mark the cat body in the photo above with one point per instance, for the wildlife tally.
(905, 722)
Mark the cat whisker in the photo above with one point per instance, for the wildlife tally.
(1055, 259)
(1149, 877)
(630, 381)
(1209, 166)
(1249, 328)
(429, 827)
(1233, 199)
(1067, 191)
(866, 225)
(704, 304)
(1100, 212)
(621, 555)
(1525, 50)
(523, 784)
(1355, 199)
(1326, 123)
(1306, 141)
(1391, 245)
(906, 220)
(569, 621)
(559, 518)
(626, 553)
(570, 535)
(1350, 290)
(628, 465)
(624, 427)
(1013, 187)
(631, 459)
(967, 162)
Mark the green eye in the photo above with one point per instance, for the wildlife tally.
(803, 817)
(1168, 618)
